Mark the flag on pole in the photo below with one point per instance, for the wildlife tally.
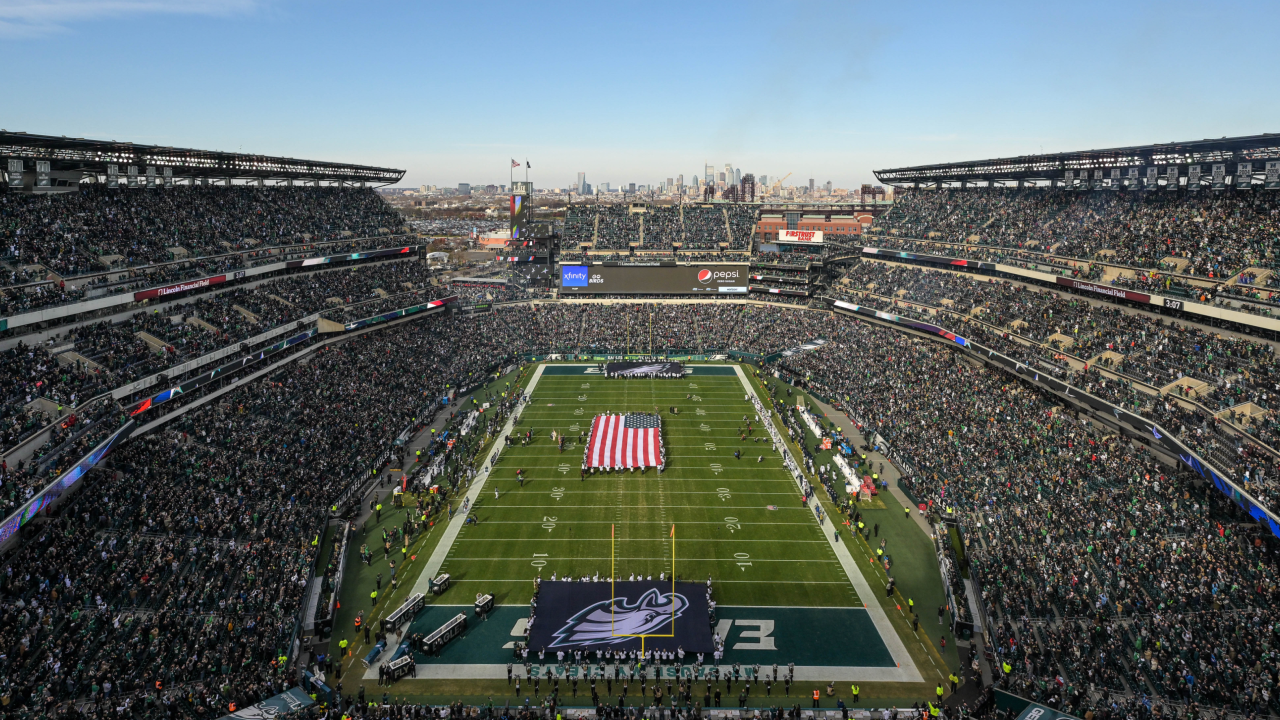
(527, 164)
(673, 529)
(514, 164)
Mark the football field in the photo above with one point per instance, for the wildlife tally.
(786, 591)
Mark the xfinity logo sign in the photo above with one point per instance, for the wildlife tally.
(612, 621)
(573, 276)
(705, 276)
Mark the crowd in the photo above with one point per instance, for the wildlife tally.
(1208, 235)
(1076, 339)
(1106, 574)
(455, 227)
(73, 233)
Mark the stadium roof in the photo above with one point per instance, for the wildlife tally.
(92, 157)
(1050, 167)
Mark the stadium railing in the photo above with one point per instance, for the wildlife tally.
(1096, 290)
(1135, 426)
(123, 300)
(225, 378)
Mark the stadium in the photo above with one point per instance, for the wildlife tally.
(1002, 445)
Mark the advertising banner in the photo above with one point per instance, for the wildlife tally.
(178, 288)
(641, 280)
(1105, 290)
(802, 237)
(575, 615)
(928, 258)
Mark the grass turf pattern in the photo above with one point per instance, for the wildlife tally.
(738, 520)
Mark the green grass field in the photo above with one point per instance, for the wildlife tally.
(738, 521)
(783, 589)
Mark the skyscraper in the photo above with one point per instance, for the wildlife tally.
(810, 186)
(710, 176)
(737, 176)
(582, 183)
(679, 181)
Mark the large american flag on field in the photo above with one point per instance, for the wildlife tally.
(625, 441)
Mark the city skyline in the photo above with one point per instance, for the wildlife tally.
(830, 91)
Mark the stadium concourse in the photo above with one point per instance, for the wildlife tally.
(1098, 574)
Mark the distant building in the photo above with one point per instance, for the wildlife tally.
(582, 183)
(464, 188)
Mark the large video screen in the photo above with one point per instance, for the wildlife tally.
(641, 280)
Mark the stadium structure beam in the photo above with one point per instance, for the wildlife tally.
(1238, 155)
(23, 153)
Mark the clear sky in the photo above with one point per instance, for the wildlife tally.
(640, 91)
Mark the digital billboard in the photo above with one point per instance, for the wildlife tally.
(654, 280)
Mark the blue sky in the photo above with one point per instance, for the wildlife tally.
(638, 92)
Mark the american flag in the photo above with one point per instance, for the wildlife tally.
(625, 441)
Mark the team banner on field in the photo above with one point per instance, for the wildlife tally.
(587, 615)
(633, 440)
(664, 369)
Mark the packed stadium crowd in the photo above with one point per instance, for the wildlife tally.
(72, 233)
(1206, 235)
(194, 545)
(695, 228)
(1105, 572)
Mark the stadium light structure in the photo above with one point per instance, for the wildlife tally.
(1248, 161)
(41, 162)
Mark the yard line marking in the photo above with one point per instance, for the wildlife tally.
(445, 546)
(888, 634)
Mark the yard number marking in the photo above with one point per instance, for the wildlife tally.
(733, 524)
(723, 493)
(549, 522)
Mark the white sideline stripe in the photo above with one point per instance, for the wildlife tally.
(906, 670)
(423, 583)
(806, 673)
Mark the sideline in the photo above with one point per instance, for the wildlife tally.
(423, 583)
(906, 670)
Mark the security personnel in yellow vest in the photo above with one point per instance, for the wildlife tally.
(907, 510)
(911, 605)
(854, 690)
(342, 647)
(373, 596)
(955, 682)
(1005, 667)
(933, 711)
(880, 554)
(940, 691)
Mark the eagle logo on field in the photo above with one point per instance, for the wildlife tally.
(644, 369)
(607, 621)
